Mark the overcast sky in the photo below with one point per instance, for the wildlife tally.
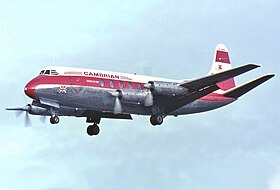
(235, 147)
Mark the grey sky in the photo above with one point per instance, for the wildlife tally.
(235, 147)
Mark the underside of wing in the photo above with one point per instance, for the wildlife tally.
(95, 114)
(178, 102)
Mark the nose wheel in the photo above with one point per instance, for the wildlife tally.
(156, 120)
(93, 130)
(54, 120)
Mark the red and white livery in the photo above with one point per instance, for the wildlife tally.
(96, 94)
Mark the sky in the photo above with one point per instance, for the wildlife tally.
(234, 147)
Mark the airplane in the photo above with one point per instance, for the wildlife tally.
(98, 94)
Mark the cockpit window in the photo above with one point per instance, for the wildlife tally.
(42, 72)
(53, 72)
(48, 72)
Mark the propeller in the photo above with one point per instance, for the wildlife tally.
(148, 70)
(27, 121)
(118, 106)
(149, 100)
(27, 109)
(43, 119)
(19, 111)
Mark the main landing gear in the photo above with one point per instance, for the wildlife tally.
(54, 119)
(93, 130)
(156, 120)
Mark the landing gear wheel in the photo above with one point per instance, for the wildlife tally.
(54, 120)
(93, 130)
(156, 120)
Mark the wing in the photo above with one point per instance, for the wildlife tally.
(219, 77)
(200, 87)
(178, 102)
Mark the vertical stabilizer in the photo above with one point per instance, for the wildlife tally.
(221, 62)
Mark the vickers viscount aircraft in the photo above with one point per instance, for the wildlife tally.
(97, 94)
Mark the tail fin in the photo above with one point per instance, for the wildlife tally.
(221, 62)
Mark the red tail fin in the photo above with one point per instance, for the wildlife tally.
(221, 62)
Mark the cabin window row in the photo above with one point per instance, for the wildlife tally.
(121, 84)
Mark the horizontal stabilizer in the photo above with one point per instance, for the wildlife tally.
(218, 77)
(243, 89)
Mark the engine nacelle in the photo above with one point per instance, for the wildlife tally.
(35, 110)
(166, 88)
(135, 97)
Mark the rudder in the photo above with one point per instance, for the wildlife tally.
(221, 62)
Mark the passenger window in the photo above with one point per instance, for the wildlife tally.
(112, 84)
(121, 84)
(102, 83)
(140, 87)
(130, 85)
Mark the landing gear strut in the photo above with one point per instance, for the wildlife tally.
(93, 130)
(54, 119)
(156, 120)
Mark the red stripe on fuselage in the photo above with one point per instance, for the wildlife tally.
(85, 81)
(95, 82)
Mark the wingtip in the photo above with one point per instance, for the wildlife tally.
(254, 65)
(269, 76)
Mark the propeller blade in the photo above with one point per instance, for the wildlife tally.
(25, 108)
(118, 106)
(43, 119)
(148, 70)
(148, 85)
(115, 94)
(27, 121)
(149, 99)
(15, 109)
(18, 113)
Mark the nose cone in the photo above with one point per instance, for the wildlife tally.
(30, 89)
